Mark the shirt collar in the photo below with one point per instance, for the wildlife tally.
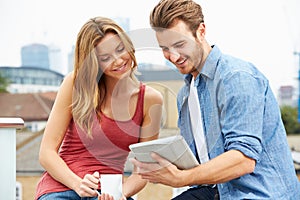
(209, 67)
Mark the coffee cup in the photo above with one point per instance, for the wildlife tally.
(112, 184)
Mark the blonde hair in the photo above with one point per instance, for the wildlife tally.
(89, 87)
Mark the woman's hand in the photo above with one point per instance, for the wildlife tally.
(89, 185)
(105, 196)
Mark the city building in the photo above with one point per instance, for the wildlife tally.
(287, 96)
(36, 55)
(124, 22)
(27, 79)
(71, 59)
(33, 108)
(55, 58)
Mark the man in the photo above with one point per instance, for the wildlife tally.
(240, 139)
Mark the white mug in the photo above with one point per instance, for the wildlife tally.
(112, 184)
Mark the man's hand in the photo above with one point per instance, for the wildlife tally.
(162, 172)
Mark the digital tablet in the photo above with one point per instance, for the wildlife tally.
(175, 149)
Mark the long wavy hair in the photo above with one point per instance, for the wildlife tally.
(89, 86)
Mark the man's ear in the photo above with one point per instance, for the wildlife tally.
(200, 33)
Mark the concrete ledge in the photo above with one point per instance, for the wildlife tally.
(11, 122)
(8, 128)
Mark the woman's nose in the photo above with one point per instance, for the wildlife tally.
(117, 60)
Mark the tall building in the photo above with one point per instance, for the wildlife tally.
(71, 59)
(124, 22)
(55, 58)
(36, 55)
(287, 96)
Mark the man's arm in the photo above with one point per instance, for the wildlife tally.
(227, 166)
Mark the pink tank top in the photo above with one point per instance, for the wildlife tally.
(106, 152)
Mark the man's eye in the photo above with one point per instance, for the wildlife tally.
(180, 45)
(164, 49)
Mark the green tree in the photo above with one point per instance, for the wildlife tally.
(289, 117)
(4, 82)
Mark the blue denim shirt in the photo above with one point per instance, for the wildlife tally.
(240, 113)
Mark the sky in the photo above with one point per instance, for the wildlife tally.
(264, 32)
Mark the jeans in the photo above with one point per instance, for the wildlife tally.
(199, 193)
(68, 195)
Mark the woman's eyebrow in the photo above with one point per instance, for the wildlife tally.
(105, 54)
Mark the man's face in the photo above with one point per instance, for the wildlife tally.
(180, 47)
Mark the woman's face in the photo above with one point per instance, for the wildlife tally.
(113, 58)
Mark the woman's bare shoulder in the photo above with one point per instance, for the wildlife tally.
(69, 77)
(153, 96)
(65, 89)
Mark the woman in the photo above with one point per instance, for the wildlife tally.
(99, 111)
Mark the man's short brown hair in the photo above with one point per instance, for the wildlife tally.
(167, 12)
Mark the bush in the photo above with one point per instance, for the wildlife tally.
(289, 117)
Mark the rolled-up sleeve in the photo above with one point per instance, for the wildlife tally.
(242, 110)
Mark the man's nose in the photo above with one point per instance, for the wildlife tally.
(174, 56)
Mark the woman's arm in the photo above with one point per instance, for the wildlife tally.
(153, 102)
(54, 133)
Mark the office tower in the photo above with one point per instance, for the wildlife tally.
(35, 55)
(124, 22)
(55, 58)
